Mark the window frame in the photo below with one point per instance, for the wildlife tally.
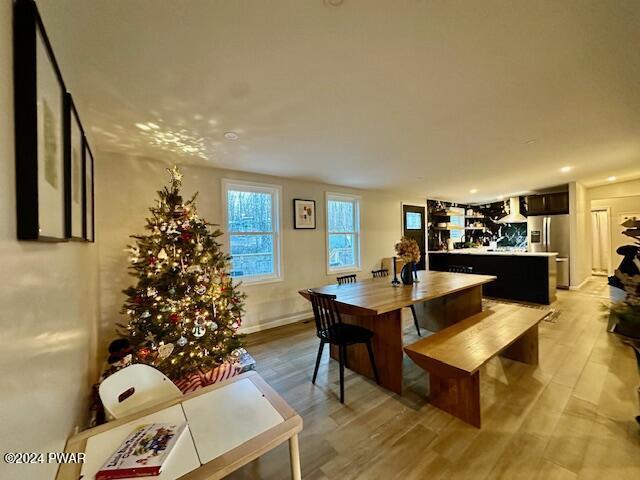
(355, 199)
(276, 218)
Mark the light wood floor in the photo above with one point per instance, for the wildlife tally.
(571, 417)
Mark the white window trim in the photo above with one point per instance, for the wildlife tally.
(352, 198)
(276, 206)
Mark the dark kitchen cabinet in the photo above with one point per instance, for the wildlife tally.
(548, 204)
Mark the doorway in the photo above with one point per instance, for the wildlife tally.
(413, 227)
(600, 242)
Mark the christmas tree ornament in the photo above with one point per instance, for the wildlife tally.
(198, 331)
(182, 285)
(165, 350)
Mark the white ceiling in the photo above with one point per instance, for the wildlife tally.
(432, 97)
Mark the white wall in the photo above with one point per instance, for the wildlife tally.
(49, 302)
(126, 189)
(580, 235)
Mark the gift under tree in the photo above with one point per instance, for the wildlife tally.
(184, 312)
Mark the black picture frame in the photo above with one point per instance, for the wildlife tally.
(75, 205)
(299, 221)
(40, 130)
(88, 194)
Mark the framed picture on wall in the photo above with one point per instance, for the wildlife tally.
(88, 193)
(40, 130)
(75, 156)
(304, 214)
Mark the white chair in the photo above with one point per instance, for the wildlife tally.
(135, 388)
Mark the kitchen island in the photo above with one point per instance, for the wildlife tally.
(522, 276)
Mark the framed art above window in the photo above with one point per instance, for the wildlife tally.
(252, 223)
(41, 181)
(343, 232)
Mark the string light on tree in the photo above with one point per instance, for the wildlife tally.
(184, 310)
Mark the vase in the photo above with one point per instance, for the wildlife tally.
(406, 274)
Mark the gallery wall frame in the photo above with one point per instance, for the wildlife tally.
(304, 214)
(40, 135)
(88, 193)
(75, 205)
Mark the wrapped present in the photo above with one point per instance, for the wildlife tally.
(239, 362)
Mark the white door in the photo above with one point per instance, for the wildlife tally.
(600, 241)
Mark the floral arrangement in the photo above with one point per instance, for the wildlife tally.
(408, 250)
(627, 277)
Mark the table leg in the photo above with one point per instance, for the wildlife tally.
(442, 312)
(294, 456)
(458, 396)
(525, 349)
(386, 345)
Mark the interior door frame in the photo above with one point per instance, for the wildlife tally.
(426, 232)
(609, 235)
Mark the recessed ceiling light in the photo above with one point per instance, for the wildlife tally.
(142, 126)
(500, 197)
(473, 190)
(612, 178)
(231, 135)
(566, 169)
(532, 141)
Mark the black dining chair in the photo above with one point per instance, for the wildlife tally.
(460, 269)
(346, 279)
(331, 330)
(383, 272)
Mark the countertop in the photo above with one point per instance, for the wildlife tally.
(477, 251)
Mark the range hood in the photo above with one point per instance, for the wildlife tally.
(514, 215)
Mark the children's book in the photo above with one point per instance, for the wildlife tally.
(143, 453)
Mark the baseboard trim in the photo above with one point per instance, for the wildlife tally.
(278, 322)
(578, 287)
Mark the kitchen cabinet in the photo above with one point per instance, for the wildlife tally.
(548, 204)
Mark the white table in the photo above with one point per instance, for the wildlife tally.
(230, 424)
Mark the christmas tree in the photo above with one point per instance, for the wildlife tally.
(184, 311)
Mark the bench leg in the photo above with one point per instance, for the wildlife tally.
(525, 349)
(458, 396)
(294, 456)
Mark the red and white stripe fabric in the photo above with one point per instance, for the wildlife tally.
(203, 378)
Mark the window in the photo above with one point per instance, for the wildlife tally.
(253, 230)
(343, 232)
(413, 221)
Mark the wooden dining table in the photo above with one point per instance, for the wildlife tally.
(440, 299)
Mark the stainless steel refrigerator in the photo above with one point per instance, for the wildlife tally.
(550, 233)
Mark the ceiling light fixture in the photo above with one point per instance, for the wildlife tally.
(500, 197)
(566, 169)
(612, 178)
(231, 135)
(473, 190)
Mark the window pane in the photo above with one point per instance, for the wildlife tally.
(251, 255)
(341, 216)
(249, 211)
(413, 221)
(342, 250)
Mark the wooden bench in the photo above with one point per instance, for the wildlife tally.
(454, 355)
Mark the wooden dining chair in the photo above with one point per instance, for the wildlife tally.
(331, 330)
(346, 279)
(383, 272)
